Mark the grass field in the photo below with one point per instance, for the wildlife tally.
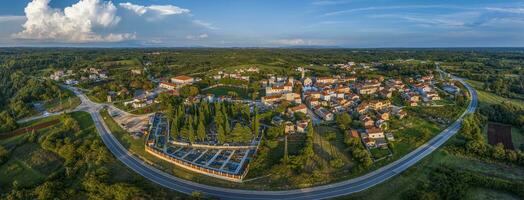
(31, 165)
(517, 135)
(490, 98)
(326, 149)
(225, 90)
(57, 105)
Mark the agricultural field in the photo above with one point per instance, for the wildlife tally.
(500, 133)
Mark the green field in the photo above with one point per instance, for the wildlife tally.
(31, 165)
(65, 104)
(226, 90)
(517, 135)
(490, 98)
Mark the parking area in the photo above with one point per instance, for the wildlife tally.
(129, 122)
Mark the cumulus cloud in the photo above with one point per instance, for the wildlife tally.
(160, 10)
(196, 37)
(75, 23)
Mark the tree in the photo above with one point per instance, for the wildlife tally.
(498, 151)
(201, 131)
(4, 154)
(191, 133)
(221, 134)
(256, 124)
(343, 121)
(308, 150)
(240, 134)
(188, 91)
(274, 132)
(48, 190)
(7, 123)
(70, 123)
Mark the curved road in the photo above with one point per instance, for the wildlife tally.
(319, 192)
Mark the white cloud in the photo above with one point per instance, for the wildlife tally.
(204, 24)
(507, 10)
(295, 41)
(74, 24)
(160, 10)
(375, 8)
(196, 37)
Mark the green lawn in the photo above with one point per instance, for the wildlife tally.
(379, 153)
(224, 90)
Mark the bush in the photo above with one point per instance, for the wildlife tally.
(4, 155)
(330, 136)
(336, 163)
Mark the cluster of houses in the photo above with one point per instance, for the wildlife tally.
(94, 74)
(239, 74)
(59, 74)
(327, 96)
(421, 89)
(278, 89)
(171, 86)
(88, 74)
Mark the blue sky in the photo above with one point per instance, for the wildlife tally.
(267, 23)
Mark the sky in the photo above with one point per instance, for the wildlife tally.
(263, 23)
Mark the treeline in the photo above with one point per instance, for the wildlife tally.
(406, 70)
(449, 183)
(18, 91)
(504, 113)
(473, 142)
(232, 122)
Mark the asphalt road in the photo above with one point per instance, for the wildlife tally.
(320, 192)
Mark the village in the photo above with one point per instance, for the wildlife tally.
(300, 100)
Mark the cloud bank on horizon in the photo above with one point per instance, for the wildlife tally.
(343, 23)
